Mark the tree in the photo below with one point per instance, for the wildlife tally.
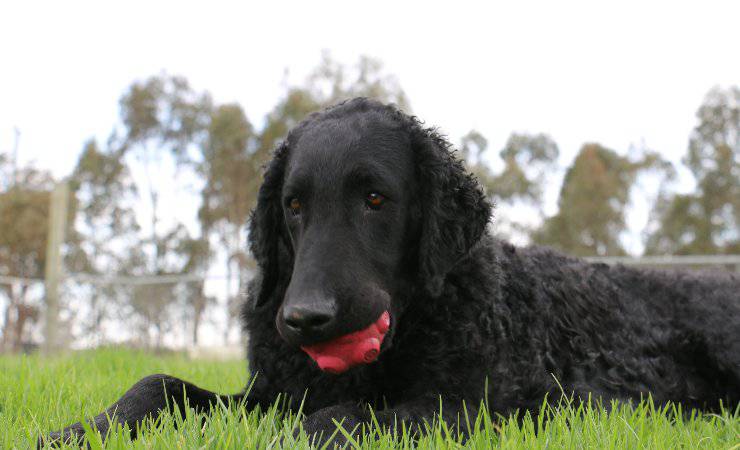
(706, 221)
(155, 304)
(24, 211)
(162, 117)
(332, 82)
(104, 227)
(528, 159)
(166, 113)
(473, 147)
(230, 189)
(592, 202)
(197, 255)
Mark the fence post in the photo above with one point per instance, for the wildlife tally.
(53, 270)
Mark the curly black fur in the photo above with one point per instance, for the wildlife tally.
(469, 311)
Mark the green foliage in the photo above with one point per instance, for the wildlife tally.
(24, 215)
(38, 395)
(24, 209)
(162, 117)
(230, 175)
(332, 82)
(592, 202)
(166, 110)
(528, 160)
(24, 212)
(706, 221)
(100, 185)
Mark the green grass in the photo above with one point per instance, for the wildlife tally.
(40, 394)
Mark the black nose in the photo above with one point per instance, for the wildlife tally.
(309, 318)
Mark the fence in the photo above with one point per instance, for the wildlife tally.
(166, 311)
(730, 262)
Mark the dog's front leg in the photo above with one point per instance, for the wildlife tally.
(147, 398)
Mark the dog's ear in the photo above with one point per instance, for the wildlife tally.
(268, 239)
(453, 210)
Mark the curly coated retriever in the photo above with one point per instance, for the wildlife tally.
(380, 286)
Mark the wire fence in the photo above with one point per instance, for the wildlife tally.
(174, 311)
(686, 261)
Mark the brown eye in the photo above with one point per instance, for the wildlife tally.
(295, 206)
(374, 200)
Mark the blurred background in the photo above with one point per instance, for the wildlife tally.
(133, 135)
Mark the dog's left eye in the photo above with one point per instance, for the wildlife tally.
(374, 200)
(295, 206)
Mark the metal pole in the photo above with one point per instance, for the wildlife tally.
(53, 270)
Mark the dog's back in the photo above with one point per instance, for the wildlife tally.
(621, 332)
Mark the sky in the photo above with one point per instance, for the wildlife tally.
(618, 73)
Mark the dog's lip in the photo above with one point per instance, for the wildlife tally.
(360, 347)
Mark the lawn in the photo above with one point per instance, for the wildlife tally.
(40, 394)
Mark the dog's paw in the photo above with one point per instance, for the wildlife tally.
(320, 426)
(72, 435)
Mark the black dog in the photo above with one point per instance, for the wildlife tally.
(363, 211)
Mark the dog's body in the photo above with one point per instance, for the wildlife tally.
(525, 322)
(363, 211)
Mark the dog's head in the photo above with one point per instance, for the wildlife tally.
(361, 209)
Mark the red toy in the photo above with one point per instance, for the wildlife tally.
(361, 347)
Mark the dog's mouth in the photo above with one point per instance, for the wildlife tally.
(360, 347)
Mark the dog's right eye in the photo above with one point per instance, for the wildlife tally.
(374, 200)
(295, 206)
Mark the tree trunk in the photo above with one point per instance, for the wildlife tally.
(229, 275)
(199, 306)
